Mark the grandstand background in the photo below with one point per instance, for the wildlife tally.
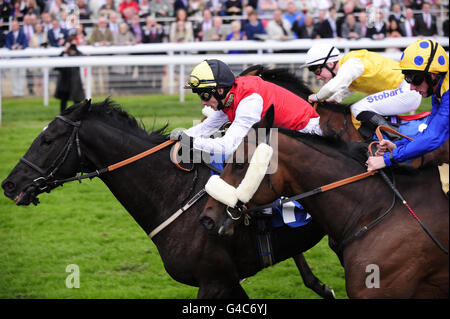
(287, 26)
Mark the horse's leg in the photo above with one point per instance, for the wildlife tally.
(217, 275)
(310, 280)
(221, 289)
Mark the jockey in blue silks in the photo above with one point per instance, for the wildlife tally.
(425, 66)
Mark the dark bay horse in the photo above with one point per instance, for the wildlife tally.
(335, 118)
(393, 259)
(90, 137)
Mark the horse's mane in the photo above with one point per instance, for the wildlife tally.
(331, 145)
(114, 115)
(284, 75)
(289, 80)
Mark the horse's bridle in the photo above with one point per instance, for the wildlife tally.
(49, 179)
(46, 179)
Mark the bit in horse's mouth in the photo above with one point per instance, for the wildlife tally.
(18, 198)
(26, 197)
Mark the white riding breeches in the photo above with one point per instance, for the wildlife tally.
(389, 102)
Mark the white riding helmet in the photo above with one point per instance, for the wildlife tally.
(320, 54)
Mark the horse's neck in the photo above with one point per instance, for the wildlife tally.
(148, 189)
(339, 123)
(339, 210)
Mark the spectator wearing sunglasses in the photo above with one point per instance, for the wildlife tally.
(362, 71)
(243, 101)
(425, 66)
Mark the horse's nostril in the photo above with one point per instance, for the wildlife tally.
(8, 186)
(207, 222)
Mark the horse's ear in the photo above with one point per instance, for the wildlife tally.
(86, 107)
(80, 110)
(269, 117)
(256, 69)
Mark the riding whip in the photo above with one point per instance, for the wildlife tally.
(397, 193)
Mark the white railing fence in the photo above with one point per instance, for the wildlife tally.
(181, 56)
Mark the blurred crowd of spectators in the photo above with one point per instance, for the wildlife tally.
(54, 23)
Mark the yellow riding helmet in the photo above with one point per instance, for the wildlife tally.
(210, 74)
(417, 55)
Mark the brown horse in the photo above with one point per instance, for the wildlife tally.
(394, 258)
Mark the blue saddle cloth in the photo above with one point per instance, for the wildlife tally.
(408, 128)
(292, 214)
(217, 162)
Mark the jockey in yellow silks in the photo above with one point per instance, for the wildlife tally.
(362, 71)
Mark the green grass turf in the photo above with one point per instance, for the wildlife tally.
(84, 224)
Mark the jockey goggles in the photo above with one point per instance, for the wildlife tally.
(314, 68)
(414, 78)
(205, 94)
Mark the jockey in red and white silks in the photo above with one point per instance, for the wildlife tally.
(243, 102)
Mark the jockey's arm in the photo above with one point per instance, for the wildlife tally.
(430, 139)
(210, 125)
(347, 73)
(248, 113)
(339, 96)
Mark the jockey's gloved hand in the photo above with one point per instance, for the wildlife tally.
(176, 135)
(186, 140)
(182, 137)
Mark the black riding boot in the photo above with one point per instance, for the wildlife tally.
(373, 120)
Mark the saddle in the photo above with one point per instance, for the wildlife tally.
(408, 125)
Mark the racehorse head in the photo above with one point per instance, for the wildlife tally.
(241, 184)
(54, 154)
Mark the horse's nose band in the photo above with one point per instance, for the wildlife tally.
(229, 195)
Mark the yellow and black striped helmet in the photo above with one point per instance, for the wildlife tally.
(210, 74)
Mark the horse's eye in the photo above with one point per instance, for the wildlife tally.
(238, 165)
(46, 141)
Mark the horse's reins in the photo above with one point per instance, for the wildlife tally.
(74, 137)
(315, 191)
(115, 166)
(155, 149)
(43, 182)
(397, 193)
(318, 190)
(349, 180)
